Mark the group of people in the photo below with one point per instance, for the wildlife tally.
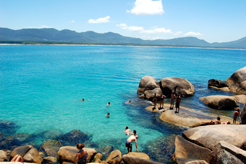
(81, 155)
(132, 138)
(234, 118)
(172, 100)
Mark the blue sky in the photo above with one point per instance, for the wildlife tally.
(211, 20)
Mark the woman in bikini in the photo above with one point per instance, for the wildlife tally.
(81, 155)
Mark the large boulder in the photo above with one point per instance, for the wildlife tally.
(237, 77)
(51, 147)
(241, 88)
(238, 81)
(68, 154)
(28, 153)
(149, 94)
(147, 83)
(240, 98)
(226, 153)
(189, 117)
(188, 150)
(220, 102)
(114, 157)
(218, 83)
(243, 114)
(130, 159)
(211, 135)
(177, 85)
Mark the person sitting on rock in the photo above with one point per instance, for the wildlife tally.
(227, 122)
(17, 158)
(235, 115)
(81, 155)
(217, 121)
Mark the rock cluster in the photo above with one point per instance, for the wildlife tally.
(149, 86)
(212, 144)
(235, 83)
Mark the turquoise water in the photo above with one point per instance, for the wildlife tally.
(40, 85)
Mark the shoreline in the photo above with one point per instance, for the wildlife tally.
(130, 45)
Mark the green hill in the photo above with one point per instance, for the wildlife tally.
(50, 35)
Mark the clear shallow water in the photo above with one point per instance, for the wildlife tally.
(40, 85)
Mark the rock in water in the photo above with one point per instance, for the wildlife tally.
(147, 83)
(220, 102)
(177, 85)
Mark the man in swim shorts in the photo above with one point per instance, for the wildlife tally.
(130, 140)
(173, 96)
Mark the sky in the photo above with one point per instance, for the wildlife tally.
(211, 20)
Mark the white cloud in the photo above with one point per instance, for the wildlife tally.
(135, 28)
(72, 21)
(147, 7)
(100, 20)
(131, 28)
(192, 33)
(43, 26)
(122, 25)
(178, 33)
(142, 30)
(157, 30)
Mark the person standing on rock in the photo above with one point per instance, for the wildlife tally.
(162, 97)
(129, 141)
(173, 97)
(235, 115)
(81, 155)
(155, 101)
(178, 100)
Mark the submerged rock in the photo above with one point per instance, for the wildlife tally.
(161, 149)
(178, 85)
(73, 138)
(8, 127)
(220, 102)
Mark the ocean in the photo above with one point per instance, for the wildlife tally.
(41, 86)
